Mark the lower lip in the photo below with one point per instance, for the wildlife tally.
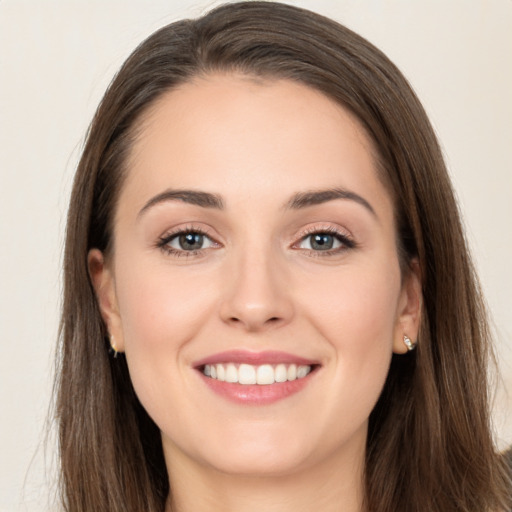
(254, 394)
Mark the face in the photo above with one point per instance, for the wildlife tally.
(254, 284)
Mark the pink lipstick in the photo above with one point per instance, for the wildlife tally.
(256, 377)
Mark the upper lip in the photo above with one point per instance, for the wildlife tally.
(254, 358)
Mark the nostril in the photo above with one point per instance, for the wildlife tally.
(251, 324)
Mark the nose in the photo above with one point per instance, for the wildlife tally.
(257, 296)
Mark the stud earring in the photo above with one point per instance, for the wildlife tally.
(113, 346)
(408, 343)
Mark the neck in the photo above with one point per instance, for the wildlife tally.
(333, 485)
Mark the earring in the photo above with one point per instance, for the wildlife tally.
(113, 346)
(408, 343)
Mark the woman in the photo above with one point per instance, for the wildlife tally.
(269, 303)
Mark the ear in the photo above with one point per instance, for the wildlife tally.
(409, 308)
(103, 282)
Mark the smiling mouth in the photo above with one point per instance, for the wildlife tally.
(256, 378)
(263, 375)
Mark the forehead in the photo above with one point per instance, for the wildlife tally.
(261, 137)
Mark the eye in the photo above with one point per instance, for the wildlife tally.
(320, 242)
(325, 241)
(186, 242)
(191, 241)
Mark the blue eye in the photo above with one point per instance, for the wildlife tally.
(186, 241)
(320, 242)
(324, 241)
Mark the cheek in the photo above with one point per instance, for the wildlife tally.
(356, 313)
(359, 303)
(158, 317)
(158, 306)
(161, 311)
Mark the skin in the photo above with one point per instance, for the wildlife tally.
(257, 286)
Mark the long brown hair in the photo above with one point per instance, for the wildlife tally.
(429, 445)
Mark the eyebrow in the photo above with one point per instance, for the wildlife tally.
(314, 197)
(297, 202)
(195, 197)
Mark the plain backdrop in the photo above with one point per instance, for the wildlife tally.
(56, 59)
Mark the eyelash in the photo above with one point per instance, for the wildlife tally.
(163, 242)
(346, 242)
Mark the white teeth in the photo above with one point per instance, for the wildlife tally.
(246, 374)
(231, 373)
(221, 372)
(281, 375)
(263, 375)
(292, 372)
(302, 371)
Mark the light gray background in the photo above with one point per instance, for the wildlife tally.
(56, 59)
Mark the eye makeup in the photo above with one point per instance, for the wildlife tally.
(316, 241)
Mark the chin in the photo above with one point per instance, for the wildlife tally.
(256, 450)
(263, 462)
